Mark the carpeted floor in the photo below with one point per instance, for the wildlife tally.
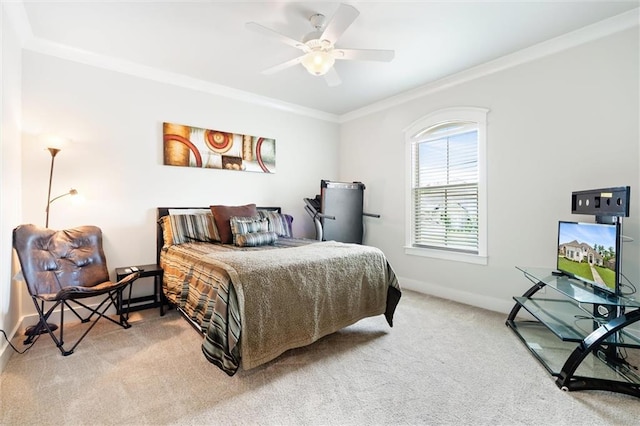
(441, 363)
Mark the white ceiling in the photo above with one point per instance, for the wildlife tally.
(208, 41)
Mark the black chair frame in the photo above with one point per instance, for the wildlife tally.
(43, 326)
(61, 268)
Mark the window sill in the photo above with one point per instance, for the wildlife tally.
(447, 255)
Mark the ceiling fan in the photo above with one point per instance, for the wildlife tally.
(319, 48)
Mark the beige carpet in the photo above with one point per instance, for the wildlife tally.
(442, 363)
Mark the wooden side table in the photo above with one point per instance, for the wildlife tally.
(154, 300)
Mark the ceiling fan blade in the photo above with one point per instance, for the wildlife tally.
(253, 26)
(364, 54)
(280, 67)
(332, 78)
(341, 20)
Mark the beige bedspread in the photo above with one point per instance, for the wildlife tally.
(254, 304)
(292, 297)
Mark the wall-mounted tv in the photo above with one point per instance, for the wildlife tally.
(589, 252)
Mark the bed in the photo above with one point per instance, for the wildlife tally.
(253, 291)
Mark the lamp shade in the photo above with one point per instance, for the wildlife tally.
(53, 142)
(318, 62)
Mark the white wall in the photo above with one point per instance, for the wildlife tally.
(114, 158)
(559, 124)
(554, 127)
(10, 165)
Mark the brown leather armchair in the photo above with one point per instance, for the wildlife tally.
(62, 267)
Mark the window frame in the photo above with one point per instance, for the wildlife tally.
(414, 133)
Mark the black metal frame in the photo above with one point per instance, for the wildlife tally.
(592, 343)
(42, 326)
(566, 378)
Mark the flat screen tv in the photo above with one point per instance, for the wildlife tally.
(589, 252)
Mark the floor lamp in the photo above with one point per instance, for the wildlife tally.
(54, 152)
(30, 331)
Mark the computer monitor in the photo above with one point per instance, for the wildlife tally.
(590, 252)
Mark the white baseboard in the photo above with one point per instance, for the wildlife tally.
(473, 299)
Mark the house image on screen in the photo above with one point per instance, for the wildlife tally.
(579, 252)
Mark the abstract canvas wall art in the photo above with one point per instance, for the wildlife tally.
(190, 146)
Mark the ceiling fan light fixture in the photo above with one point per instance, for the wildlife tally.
(318, 62)
(318, 47)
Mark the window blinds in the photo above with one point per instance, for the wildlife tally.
(445, 192)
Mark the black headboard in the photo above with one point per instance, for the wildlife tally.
(164, 211)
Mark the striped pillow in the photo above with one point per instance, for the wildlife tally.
(167, 233)
(254, 239)
(251, 231)
(244, 225)
(278, 222)
(186, 228)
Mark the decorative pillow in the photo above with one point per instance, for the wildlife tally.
(222, 214)
(186, 228)
(254, 239)
(245, 225)
(189, 211)
(278, 222)
(167, 233)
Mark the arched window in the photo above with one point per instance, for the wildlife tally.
(446, 185)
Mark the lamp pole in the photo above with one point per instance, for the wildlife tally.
(54, 152)
(40, 329)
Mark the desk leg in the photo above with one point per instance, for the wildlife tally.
(119, 301)
(129, 300)
(159, 295)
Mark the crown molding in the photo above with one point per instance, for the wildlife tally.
(18, 16)
(615, 24)
(62, 51)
